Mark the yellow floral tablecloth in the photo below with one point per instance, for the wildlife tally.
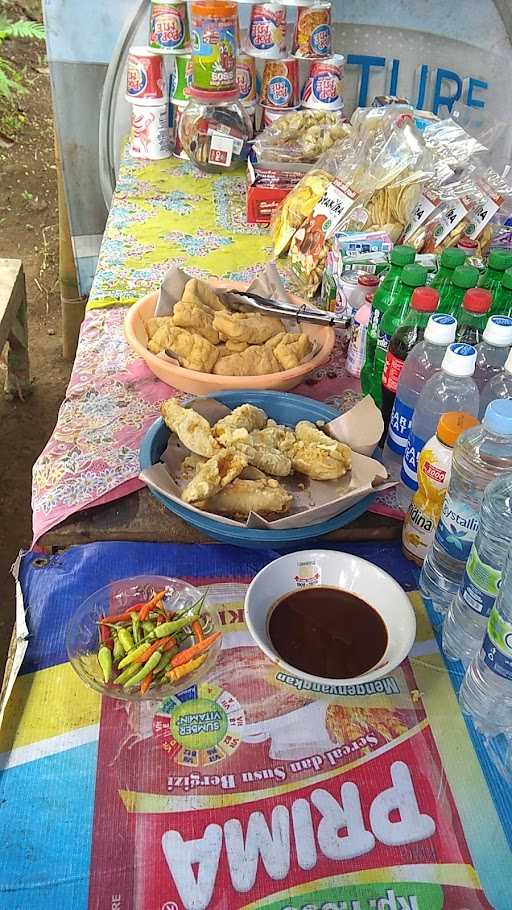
(168, 212)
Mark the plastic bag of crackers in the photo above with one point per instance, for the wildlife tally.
(371, 180)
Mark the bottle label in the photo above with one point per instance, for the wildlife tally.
(457, 528)
(391, 373)
(434, 466)
(497, 646)
(383, 341)
(409, 472)
(399, 426)
(418, 531)
(374, 323)
(480, 584)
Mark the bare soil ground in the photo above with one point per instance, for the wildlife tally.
(28, 231)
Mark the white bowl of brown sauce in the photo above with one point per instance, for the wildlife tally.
(330, 617)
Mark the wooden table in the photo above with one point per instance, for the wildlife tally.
(139, 516)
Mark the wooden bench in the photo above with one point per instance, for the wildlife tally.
(13, 327)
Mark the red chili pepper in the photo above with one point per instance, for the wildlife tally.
(122, 617)
(106, 637)
(146, 682)
(197, 629)
(146, 608)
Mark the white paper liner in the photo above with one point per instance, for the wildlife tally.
(314, 501)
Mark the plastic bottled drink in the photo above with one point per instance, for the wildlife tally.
(434, 469)
(502, 296)
(500, 386)
(473, 317)
(486, 691)
(498, 262)
(424, 360)
(492, 350)
(423, 303)
(383, 298)
(464, 277)
(450, 259)
(413, 276)
(481, 454)
(452, 389)
(465, 624)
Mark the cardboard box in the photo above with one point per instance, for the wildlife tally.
(262, 201)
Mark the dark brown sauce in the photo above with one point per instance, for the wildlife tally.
(327, 632)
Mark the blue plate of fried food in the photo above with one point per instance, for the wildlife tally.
(284, 408)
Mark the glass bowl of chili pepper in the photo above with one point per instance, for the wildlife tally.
(143, 638)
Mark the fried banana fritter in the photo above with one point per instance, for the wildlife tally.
(317, 455)
(270, 461)
(214, 474)
(241, 497)
(191, 428)
(244, 417)
(251, 327)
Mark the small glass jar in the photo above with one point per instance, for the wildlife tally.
(214, 130)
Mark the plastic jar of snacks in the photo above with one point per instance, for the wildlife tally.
(214, 131)
(214, 44)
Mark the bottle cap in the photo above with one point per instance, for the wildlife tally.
(452, 424)
(459, 360)
(414, 276)
(498, 417)
(477, 300)
(498, 331)
(506, 281)
(500, 260)
(402, 255)
(467, 245)
(441, 329)
(425, 299)
(452, 257)
(368, 281)
(508, 363)
(465, 276)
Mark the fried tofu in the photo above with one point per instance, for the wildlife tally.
(191, 428)
(292, 350)
(256, 360)
(156, 323)
(250, 327)
(199, 292)
(214, 475)
(188, 315)
(191, 350)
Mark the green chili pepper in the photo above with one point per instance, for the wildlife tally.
(136, 625)
(132, 655)
(118, 648)
(143, 672)
(169, 628)
(126, 674)
(105, 662)
(148, 626)
(164, 660)
(125, 637)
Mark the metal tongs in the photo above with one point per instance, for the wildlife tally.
(276, 307)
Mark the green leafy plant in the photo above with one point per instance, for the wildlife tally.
(10, 81)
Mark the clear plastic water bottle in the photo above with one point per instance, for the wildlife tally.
(493, 349)
(500, 386)
(451, 389)
(486, 692)
(424, 360)
(466, 621)
(480, 455)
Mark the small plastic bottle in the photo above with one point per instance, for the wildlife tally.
(493, 349)
(502, 296)
(452, 389)
(450, 259)
(424, 360)
(499, 387)
(466, 621)
(357, 344)
(434, 469)
(498, 262)
(464, 277)
(481, 454)
(473, 317)
(486, 691)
